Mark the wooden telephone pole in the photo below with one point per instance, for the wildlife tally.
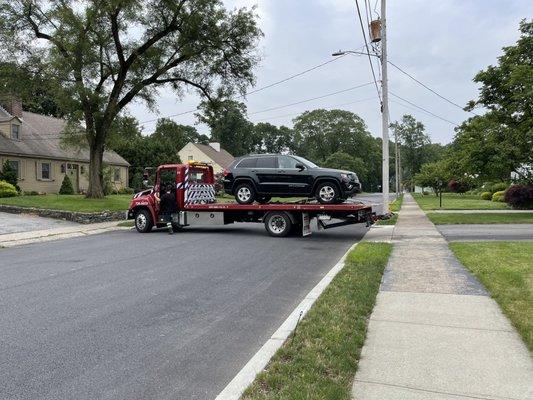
(384, 110)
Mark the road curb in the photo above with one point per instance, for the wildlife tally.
(259, 361)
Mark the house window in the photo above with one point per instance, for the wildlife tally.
(63, 168)
(116, 175)
(82, 169)
(45, 170)
(191, 158)
(15, 131)
(15, 166)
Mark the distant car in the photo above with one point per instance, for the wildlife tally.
(262, 176)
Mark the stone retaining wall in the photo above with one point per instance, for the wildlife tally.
(80, 217)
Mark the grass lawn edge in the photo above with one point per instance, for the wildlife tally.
(320, 359)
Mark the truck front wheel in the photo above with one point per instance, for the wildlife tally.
(278, 224)
(143, 221)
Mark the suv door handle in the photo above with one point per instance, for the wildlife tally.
(281, 171)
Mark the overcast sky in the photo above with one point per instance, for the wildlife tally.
(441, 43)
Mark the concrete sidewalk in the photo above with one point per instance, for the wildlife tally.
(44, 235)
(435, 333)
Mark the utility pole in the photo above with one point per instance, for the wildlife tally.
(384, 109)
(397, 164)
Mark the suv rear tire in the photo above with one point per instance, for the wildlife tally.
(278, 224)
(245, 193)
(327, 193)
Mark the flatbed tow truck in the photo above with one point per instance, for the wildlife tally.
(196, 205)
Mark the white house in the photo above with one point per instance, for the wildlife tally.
(212, 154)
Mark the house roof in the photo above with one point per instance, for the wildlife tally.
(222, 157)
(40, 137)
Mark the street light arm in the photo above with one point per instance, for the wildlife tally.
(342, 53)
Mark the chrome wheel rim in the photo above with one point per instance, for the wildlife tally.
(326, 193)
(277, 224)
(244, 194)
(141, 221)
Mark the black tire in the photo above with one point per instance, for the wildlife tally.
(327, 193)
(278, 224)
(176, 227)
(245, 193)
(263, 199)
(143, 221)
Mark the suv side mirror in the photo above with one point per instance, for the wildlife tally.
(300, 166)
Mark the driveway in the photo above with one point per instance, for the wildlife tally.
(13, 223)
(478, 232)
(124, 315)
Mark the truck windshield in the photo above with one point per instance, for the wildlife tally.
(306, 162)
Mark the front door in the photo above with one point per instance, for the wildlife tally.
(297, 181)
(72, 173)
(267, 175)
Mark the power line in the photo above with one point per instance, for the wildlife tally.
(423, 109)
(367, 49)
(428, 88)
(253, 91)
(335, 106)
(311, 99)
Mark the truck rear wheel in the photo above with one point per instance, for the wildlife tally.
(278, 224)
(143, 221)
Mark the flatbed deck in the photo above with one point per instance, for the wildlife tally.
(305, 207)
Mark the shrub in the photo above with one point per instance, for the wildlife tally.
(9, 175)
(7, 189)
(519, 196)
(125, 190)
(66, 186)
(486, 196)
(499, 196)
(499, 187)
(424, 193)
(219, 184)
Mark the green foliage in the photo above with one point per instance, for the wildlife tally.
(229, 126)
(499, 196)
(7, 189)
(341, 160)
(486, 196)
(9, 175)
(272, 139)
(99, 67)
(66, 186)
(499, 187)
(434, 175)
(414, 145)
(520, 196)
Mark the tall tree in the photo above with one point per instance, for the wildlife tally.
(272, 139)
(175, 135)
(229, 125)
(414, 141)
(107, 53)
(501, 141)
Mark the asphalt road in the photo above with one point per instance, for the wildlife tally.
(125, 315)
(486, 232)
(12, 223)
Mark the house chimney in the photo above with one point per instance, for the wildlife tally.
(215, 145)
(14, 107)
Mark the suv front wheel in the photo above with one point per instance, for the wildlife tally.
(244, 193)
(327, 193)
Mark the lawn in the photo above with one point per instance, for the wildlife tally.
(452, 201)
(320, 360)
(116, 202)
(506, 270)
(481, 218)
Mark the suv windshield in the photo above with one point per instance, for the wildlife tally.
(306, 162)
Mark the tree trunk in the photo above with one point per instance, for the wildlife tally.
(96, 175)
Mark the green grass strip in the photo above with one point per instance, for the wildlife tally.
(481, 218)
(115, 202)
(320, 361)
(452, 201)
(506, 270)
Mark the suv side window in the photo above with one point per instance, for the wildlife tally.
(266, 162)
(247, 163)
(287, 162)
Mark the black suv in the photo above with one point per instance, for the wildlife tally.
(259, 177)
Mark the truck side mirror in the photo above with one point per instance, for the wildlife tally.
(300, 166)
